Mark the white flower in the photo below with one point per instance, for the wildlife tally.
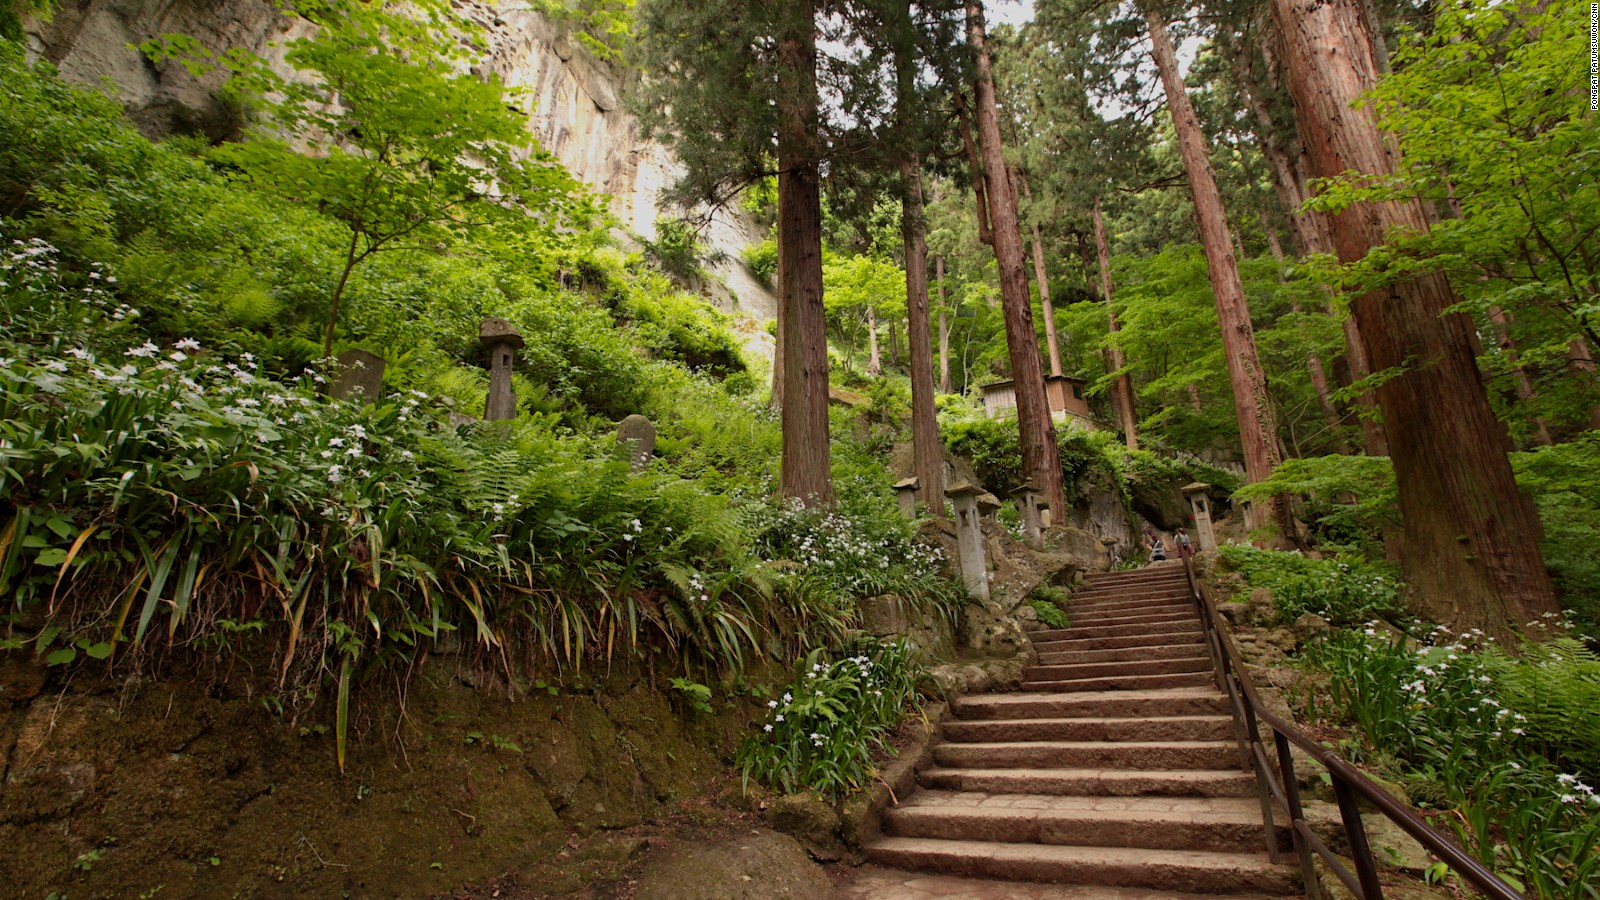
(778, 717)
(335, 474)
(772, 704)
(767, 728)
(187, 344)
(178, 356)
(335, 442)
(147, 349)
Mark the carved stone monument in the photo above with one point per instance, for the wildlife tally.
(906, 492)
(500, 345)
(969, 537)
(1199, 496)
(360, 376)
(638, 434)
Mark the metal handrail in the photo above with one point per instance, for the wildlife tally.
(1349, 784)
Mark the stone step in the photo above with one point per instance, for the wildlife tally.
(1177, 870)
(1095, 782)
(1214, 824)
(1166, 571)
(1091, 704)
(1135, 606)
(1114, 642)
(1129, 654)
(1076, 671)
(1135, 595)
(1133, 617)
(1084, 728)
(1094, 631)
(1122, 682)
(1089, 755)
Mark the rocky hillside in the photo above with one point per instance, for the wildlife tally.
(573, 101)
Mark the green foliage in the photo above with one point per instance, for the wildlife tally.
(1047, 601)
(1348, 591)
(821, 735)
(762, 259)
(1351, 500)
(1564, 481)
(677, 250)
(402, 145)
(1508, 742)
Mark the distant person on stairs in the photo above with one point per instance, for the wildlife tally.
(1156, 546)
(1181, 538)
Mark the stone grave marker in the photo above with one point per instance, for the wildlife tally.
(360, 376)
(640, 433)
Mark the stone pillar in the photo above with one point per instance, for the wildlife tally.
(500, 345)
(1027, 497)
(638, 435)
(969, 538)
(360, 376)
(1047, 516)
(906, 492)
(1199, 497)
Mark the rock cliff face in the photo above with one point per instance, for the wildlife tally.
(573, 100)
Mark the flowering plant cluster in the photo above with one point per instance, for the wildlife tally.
(854, 550)
(1511, 743)
(179, 485)
(822, 733)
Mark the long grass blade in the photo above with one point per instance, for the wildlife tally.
(72, 554)
(341, 725)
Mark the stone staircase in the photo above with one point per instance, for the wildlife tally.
(1115, 766)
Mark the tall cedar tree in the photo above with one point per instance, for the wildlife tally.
(1308, 227)
(1258, 426)
(927, 450)
(1122, 387)
(732, 86)
(1041, 461)
(1471, 539)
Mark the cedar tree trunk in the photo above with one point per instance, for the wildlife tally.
(1041, 461)
(805, 473)
(927, 452)
(1471, 552)
(1122, 387)
(1258, 427)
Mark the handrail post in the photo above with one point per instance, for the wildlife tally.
(1356, 831)
(1297, 814)
(1258, 757)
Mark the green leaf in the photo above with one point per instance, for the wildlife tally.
(52, 557)
(61, 657)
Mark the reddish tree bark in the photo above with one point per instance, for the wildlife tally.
(1258, 427)
(1043, 281)
(926, 449)
(1308, 228)
(805, 470)
(1122, 386)
(1041, 461)
(1471, 538)
(944, 328)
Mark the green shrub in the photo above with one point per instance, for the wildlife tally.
(822, 733)
(1348, 591)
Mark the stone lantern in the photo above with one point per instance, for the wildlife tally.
(906, 492)
(1027, 497)
(969, 537)
(500, 343)
(1199, 496)
(360, 376)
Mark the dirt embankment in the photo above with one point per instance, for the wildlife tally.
(195, 786)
